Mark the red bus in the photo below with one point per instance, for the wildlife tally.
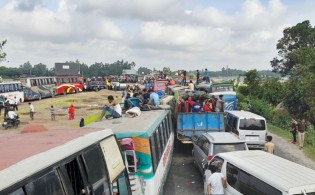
(69, 84)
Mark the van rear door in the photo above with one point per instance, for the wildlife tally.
(253, 131)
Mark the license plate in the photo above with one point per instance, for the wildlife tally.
(252, 138)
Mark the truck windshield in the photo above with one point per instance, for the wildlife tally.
(252, 124)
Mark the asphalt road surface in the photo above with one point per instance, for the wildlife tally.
(183, 178)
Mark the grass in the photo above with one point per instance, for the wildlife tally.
(309, 143)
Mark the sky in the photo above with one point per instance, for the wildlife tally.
(179, 34)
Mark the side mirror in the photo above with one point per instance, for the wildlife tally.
(131, 161)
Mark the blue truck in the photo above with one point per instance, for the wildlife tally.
(189, 125)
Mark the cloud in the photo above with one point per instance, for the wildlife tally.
(27, 5)
(175, 33)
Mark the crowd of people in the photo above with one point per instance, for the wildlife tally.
(212, 104)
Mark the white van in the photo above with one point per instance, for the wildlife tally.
(258, 172)
(248, 126)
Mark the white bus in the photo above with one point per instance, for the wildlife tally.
(257, 172)
(63, 161)
(12, 90)
(147, 143)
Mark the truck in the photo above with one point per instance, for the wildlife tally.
(94, 84)
(189, 125)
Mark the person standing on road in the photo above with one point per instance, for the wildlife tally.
(6, 107)
(294, 130)
(15, 105)
(301, 132)
(216, 182)
(52, 113)
(71, 112)
(32, 110)
(269, 146)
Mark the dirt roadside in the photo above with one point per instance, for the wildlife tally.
(86, 104)
(287, 150)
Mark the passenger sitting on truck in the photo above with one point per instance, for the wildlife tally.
(196, 107)
(208, 106)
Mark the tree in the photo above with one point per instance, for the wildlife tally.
(294, 38)
(40, 70)
(167, 71)
(297, 59)
(252, 80)
(26, 68)
(273, 91)
(2, 53)
(144, 70)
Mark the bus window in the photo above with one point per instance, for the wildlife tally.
(6, 88)
(96, 171)
(75, 176)
(47, 184)
(17, 192)
(161, 136)
(153, 152)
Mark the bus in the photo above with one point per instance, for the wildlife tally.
(36, 88)
(12, 91)
(147, 143)
(62, 161)
(69, 84)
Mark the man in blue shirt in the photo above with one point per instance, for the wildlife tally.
(154, 98)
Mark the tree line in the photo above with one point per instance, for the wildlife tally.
(295, 98)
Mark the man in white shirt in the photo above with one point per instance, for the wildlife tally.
(216, 182)
(114, 112)
(12, 115)
(32, 110)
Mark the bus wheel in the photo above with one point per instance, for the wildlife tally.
(65, 92)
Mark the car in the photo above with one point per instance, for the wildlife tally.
(209, 144)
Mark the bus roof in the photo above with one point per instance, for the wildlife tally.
(125, 127)
(18, 146)
(19, 152)
(245, 114)
(281, 173)
(10, 82)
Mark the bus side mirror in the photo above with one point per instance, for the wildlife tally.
(131, 161)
